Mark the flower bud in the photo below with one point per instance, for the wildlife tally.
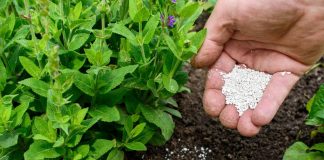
(54, 62)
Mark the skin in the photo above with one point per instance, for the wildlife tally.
(269, 36)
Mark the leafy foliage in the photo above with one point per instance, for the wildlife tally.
(83, 79)
(301, 151)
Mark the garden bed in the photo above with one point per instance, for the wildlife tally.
(198, 130)
(199, 137)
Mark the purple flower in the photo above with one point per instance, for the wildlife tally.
(174, 1)
(171, 21)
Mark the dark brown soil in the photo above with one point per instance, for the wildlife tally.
(196, 129)
(198, 137)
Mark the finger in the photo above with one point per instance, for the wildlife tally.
(265, 60)
(213, 102)
(275, 93)
(245, 125)
(223, 65)
(272, 62)
(229, 117)
(219, 30)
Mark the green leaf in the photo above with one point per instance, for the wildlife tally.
(173, 47)
(309, 104)
(72, 60)
(145, 136)
(172, 111)
(124, 31)
(65, 80)
(20, 34)
(172, 102)
(99, 54)
(4, 4)
(30, 67)
(198, 39)
(83, 150)
(55, 103)
(43, 130)
(113, 97)
(89, 123)
(318, 103)
(116, 155)
(3, 76)
(188, 22)
(128, 125)
(142, 15)
(170, 84)
(7, 27)
(85, 83)
(99, 34)
(77, 114)
(213, 2)
(318, 147)
(136, 146)
(157, 139)
(137, 11)
(76, 132)
(78, 40)
(187, 11)
(38, 86)
(105, 113)
(101, 147)
(110, 79)
(8, 139)
(299, 151)
(133, 8)
(137, 130)
(76, 12)
(18, 113)
(59, 142)
(150, 28)
(6, 109)
(159, 118)
(40, 150)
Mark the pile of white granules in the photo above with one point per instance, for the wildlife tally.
(244, 87)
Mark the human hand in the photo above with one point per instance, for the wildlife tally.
(269, 36)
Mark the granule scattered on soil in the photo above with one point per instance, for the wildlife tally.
(244, 87)
(196, 152)
(180, 153)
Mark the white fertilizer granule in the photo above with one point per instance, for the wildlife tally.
(244, 87)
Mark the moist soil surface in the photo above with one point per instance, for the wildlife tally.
(199, 137)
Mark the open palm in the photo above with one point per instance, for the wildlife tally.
(271, 36)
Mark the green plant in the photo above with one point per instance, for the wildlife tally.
(84, 79)
(301, 151)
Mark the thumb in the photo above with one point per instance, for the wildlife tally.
(219, 30)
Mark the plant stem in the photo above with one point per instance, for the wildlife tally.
(33, 34)
(102, 29)
(15, 90)
(175, 67)
(157, 68)
(61, 4)
(141, 42)
(70, 36)
(3, 57)
(94, 98)
(32, 31)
